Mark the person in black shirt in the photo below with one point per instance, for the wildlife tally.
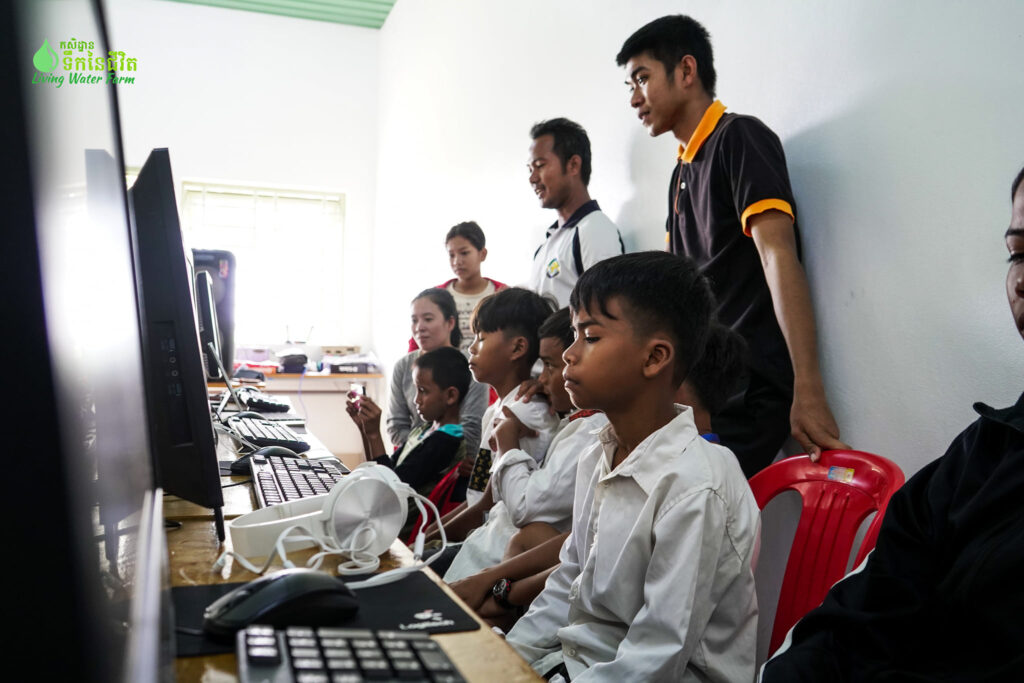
(938, 597)
(732, 210)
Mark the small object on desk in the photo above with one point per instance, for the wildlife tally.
(243, 466)
(290, 596)
(340, 654)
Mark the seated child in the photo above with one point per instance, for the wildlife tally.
(503, 351)
(441, 378)
(530, 556)
(655, 581)
(434, 325)
(525, 492)
(466, 251)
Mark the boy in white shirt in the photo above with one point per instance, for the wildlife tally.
(524, 491)
(504, 349)
(655, 580)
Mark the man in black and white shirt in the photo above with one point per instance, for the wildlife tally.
(583, 235)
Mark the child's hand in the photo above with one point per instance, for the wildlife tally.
(509, 431)
(473, 589)
(368, 415)
(528, 389)
(466, 467)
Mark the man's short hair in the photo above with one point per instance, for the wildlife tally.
(659, 292)
(716, 376)
(558, 326)
(515, 312)
(1016, 183)
(569, 140)
(668, 40)
(470, 231)
(448, 368)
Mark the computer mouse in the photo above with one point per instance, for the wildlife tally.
(241, 466)
(290, 597)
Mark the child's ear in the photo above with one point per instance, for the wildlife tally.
(661, 356)
(483, 254)
(451, 396)
(519, 346)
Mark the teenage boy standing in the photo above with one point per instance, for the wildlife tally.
(583, 235)
(655, 581)
(731, 209)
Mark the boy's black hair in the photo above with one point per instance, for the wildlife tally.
(444, 301)
(659, 292)
(716, 375)
(470, 231)
(514, 312)
(569, 140)
(1016, 183)
(448, 368)
(668, 40)
(558, 326)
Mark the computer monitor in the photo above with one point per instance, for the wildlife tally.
(86, 559)
(220, 264)
(209, 330)
(184, 441)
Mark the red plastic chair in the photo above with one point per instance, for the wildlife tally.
(838, 492)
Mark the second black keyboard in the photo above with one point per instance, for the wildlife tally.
(267, 433)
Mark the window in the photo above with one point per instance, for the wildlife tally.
(287, 244)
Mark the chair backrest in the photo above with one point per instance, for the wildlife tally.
(838, 492)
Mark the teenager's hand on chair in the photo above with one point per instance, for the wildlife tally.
(509, 431)
(812, 423)
(473, 589)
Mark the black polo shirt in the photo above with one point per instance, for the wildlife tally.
(733, 168)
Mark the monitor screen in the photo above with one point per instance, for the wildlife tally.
(184, 441)
(220, 265)
(84, 524)
(209, 329)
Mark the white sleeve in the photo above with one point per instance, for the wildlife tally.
(537, 494)
(599, 239)
(689, 539)
(537, 416)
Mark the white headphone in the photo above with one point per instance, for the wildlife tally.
(359, 518)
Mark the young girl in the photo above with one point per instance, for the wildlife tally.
(433, 325)
(466, 251)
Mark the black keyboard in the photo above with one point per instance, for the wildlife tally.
(340, 655)
(254, 399)
(267, 433)
(279, 480)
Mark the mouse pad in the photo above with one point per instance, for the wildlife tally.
(413, 603)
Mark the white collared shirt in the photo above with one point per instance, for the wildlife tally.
(553, 272)
(525, 492)
(655, 582)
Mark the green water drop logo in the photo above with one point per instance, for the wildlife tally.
(45, 59)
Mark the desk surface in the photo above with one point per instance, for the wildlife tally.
(480, 655)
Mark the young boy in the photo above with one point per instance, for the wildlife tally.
(525, 492)
(655, 581)
(441, 378)
(503, 351)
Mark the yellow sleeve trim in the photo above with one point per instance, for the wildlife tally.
(761, 207)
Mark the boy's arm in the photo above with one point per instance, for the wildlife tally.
(469, 518)
(535, 635)
(475, 589)
(679, 597)
(536, 494)
(811, 420)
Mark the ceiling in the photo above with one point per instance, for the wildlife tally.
(367, 13)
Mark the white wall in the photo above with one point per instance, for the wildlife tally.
(901, 122)
(260, 99)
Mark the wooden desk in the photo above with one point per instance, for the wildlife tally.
(480, 655)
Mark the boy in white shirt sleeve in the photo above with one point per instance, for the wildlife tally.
(655, 581)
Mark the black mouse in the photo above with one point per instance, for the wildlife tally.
(241, 466)
(290, 597)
